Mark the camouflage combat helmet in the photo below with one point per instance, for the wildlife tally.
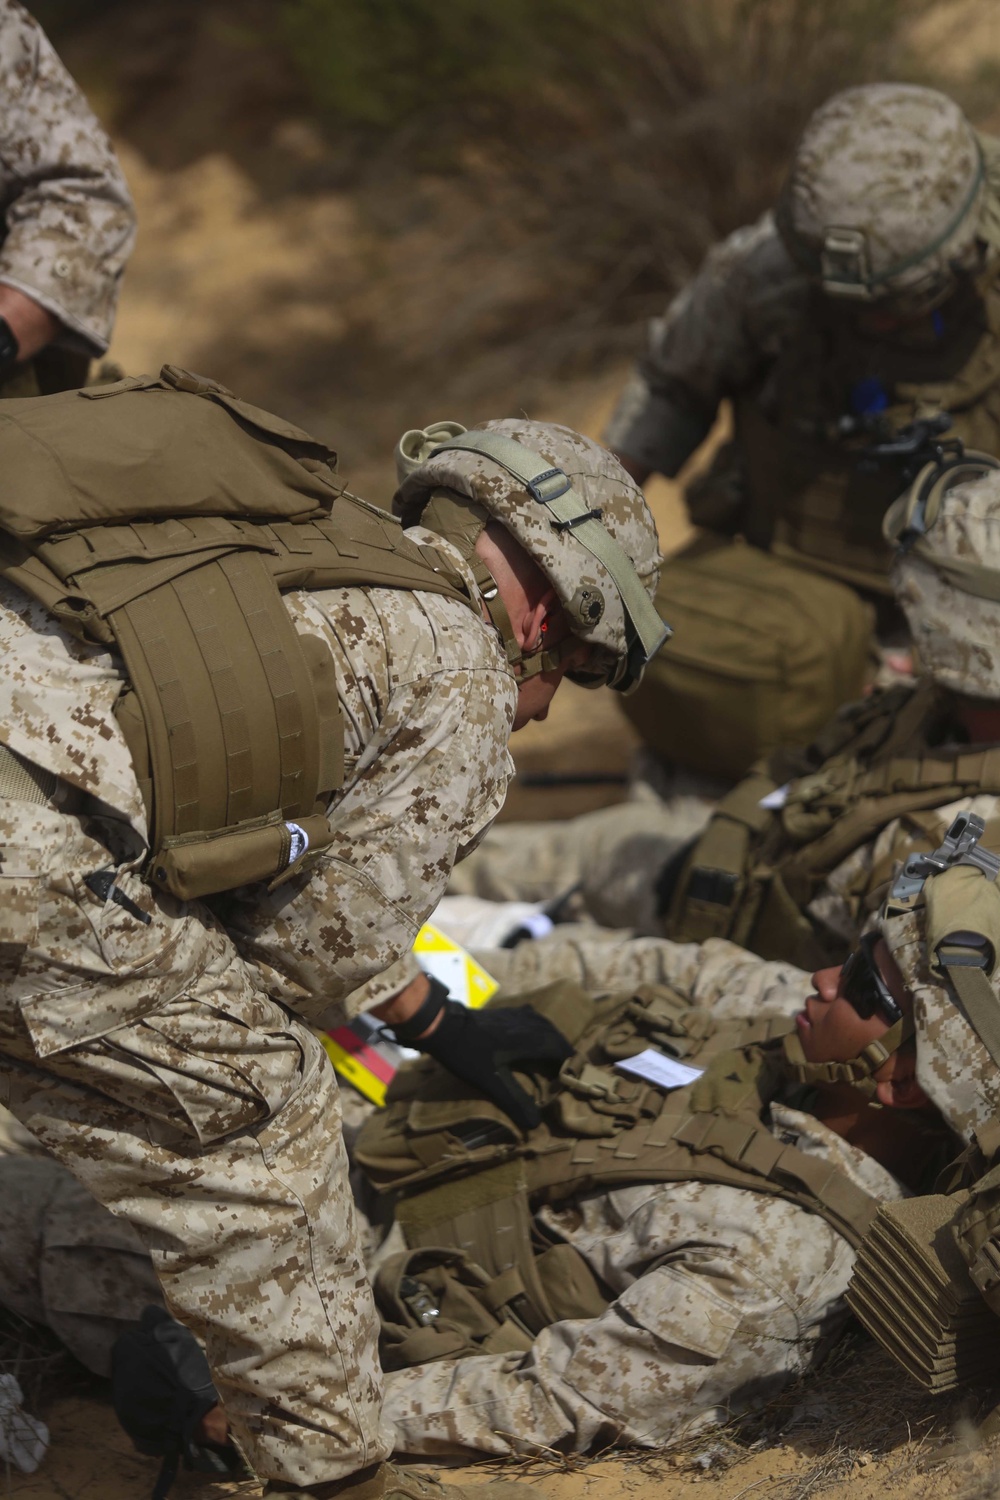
(573, 509)
(941, 923)
(946, 571)
(890, 194)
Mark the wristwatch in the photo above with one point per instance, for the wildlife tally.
(9, 348)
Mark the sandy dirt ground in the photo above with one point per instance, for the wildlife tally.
(852, 1432)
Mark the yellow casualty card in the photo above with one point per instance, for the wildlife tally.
(359, 1051)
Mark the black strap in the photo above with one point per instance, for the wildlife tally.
(167, 1475)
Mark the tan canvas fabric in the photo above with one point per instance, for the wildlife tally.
(763, 655)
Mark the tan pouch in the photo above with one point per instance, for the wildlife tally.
(194, 865)
(763, 654)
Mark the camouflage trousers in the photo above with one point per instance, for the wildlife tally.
(145, 1055)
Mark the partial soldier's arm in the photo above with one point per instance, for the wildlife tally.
(716, 974)
(432, 775)
(70, 223)
(717, 1289)
(710, 343)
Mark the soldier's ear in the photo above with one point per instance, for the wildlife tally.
(536, 619)
(898, 1088)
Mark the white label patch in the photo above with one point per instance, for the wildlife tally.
(775, 801)
(656, 1067)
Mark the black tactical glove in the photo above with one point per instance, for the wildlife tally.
(479, 1046)
(161, 1387)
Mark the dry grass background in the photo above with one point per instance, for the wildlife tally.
(367, 238)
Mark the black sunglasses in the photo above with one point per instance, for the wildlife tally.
(863, 987)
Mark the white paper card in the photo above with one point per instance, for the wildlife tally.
(656, 1067)
(775, 801)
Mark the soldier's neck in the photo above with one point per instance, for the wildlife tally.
(888, 1135)
(979, 717)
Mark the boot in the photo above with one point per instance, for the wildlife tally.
(393, 1482)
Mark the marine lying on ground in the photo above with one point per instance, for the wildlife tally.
(245, 736)
(650, 1258)
(870, 293)
(795, 859)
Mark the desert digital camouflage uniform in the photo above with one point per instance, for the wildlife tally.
(157, 1059)
(608, 858)
(764, 324)
(714, 974)
(69, 222)
(720, 1294)
(62, 1255)
(68, 1264)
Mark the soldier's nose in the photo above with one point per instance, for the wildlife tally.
(827, 982)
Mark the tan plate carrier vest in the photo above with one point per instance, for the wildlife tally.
(818, 507)
(927, 1267)
(476, 1277)
(163, 517)
(753, 871)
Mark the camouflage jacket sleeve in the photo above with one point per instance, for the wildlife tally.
(718, 1292)
(70, 223)
(712, 341)
(428, 702)
(716, 974)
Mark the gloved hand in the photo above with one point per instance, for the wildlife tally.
(480, 1046)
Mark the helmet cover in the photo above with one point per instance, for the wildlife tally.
(953, 1067)
(886, 194)
(589, 594)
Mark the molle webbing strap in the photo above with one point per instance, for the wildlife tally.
(722, 885)
(912, 1290)
(978, 997)
(678, 1146)
(908, 773)
(552, 488)
(712, 885)
(681, 1146)
(858, 1071)
(900, 786)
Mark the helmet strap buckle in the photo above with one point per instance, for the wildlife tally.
(845, 265)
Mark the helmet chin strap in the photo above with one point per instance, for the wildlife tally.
(461, 522)
(858, 1071)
